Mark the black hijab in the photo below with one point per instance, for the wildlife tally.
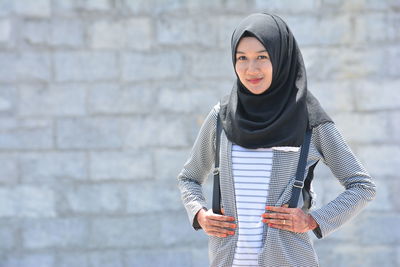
(280, 115)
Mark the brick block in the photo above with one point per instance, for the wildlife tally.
(146, 197)
(94, 133)
(57, 32)
(370, 28)
(348, 63)
(29, 259)
(19, 134)
(371, 127)
(26, 66)
(67, 32)
(106, 259)
(85, 66)
(62, 100)
(7, 205)
(6, 7)
(378, 235)
(385, 200)
(9, 168)
(75, 259)
(393, 20)
(158, 131)
(200, 256)
(285, 6)
(27, 201)
(33, 66)
(8, 71)
(125, 232)
(370, 99)
(168, 163)
(33, 8)
(36, 32)
(94, 199)
(5, 31)
(153, 6)
(121, 165)
(213, 64)
(55, 233)
(8, 99)
(343, 255)
(389, 63)
(133, 33)
(177, 231)
(327, 30)
(184, 31)
(95, 5)
(380, 160)
(188, 101)
(52, 166)
(158, 258)
(112, 99)
(157, 65)
(7, 235)
(226, 25)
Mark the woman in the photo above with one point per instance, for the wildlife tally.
(264, 121)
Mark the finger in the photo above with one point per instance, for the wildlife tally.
(285, 205)
(223, 211)
(280, 222)
(217, 217)
(282, 216)
(282, 227)
(222, 224)
(279, 209)
(220, 230)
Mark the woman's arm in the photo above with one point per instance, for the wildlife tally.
(197, 168)
(359, 187)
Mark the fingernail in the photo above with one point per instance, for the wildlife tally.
(231, 233)
(270, 224)
(233, 226)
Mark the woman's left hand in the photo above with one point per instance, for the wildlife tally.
(290, 219)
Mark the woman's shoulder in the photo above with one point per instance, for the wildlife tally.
(324, 128)
(216, 107)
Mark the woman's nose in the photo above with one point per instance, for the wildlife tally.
(253, 67)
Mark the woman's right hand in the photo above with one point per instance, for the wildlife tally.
(216, 224)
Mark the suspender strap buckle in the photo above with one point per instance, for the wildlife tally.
(216, 171)
(298, 184)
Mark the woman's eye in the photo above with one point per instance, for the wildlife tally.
(241, 58)
(262, 57)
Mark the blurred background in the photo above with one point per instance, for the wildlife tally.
(101, 101)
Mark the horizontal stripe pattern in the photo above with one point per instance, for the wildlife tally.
(251, 170)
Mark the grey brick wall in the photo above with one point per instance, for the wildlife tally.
(101, 100)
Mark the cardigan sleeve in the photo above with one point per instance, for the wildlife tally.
(198, 167)
(358, 185)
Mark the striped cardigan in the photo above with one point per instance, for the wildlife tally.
(280, 248)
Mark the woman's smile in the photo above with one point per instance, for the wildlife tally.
(255, 81)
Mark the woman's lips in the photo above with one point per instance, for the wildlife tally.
(255, 81)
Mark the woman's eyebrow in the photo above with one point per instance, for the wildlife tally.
(261, 51)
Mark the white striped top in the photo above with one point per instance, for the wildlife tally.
(251, 173)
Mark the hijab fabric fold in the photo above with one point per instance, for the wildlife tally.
(280, 115)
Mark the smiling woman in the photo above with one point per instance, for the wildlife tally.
(269, 121)
(253, 65)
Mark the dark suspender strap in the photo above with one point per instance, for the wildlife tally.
(301, 167)
(216, 202)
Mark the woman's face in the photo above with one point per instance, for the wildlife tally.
(253, 65)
